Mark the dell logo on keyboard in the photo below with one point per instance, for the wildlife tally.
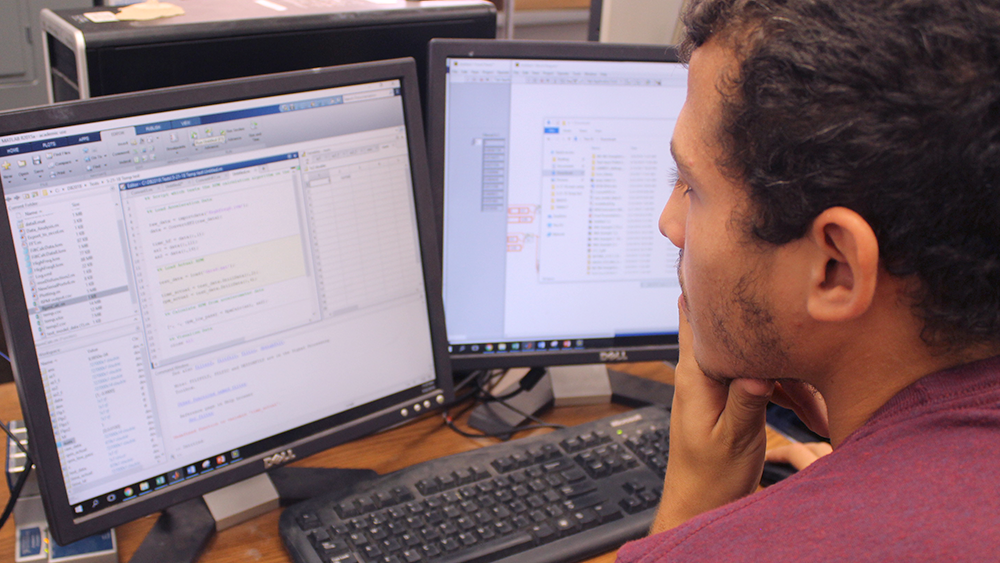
(614, 356)
(279, 459)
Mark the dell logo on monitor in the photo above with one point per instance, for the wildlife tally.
(279, 459)
(614, 356)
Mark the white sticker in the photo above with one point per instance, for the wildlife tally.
(101, 17)
(272, 5)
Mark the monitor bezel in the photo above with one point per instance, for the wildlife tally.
(64, 527)
(624, 349)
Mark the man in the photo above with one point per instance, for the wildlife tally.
(838, 207)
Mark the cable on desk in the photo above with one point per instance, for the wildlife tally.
(15, 492)
(482, 393)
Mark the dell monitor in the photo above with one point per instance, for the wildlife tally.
(550, 164)
(203, 281)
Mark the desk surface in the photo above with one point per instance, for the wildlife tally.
(257, 540)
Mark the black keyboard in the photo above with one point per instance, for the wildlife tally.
(562, 496)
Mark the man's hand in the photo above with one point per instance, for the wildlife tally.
(799, 455)
(717, 439)
(807, 403)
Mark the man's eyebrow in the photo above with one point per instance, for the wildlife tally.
(682, 164)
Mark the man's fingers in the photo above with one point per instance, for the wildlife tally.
(807, 403)
(798, 455)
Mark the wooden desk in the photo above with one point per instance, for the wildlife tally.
(257, 540)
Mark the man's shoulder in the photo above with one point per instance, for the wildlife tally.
(834, 515)
(922, 472)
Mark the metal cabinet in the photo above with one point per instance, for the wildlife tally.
(22, 67)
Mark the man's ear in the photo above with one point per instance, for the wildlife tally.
(844, 272)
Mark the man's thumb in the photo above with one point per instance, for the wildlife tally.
(746, 405)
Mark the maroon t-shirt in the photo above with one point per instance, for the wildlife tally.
(920, 481)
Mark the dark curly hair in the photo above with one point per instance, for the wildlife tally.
(887, 107)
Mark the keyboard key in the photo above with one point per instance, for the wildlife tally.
(347, 509)
(585, 501)
(383, 499)
(308, 521)
(565, 526)
(464, 476)
(431, 551)
(632, 505)
(467, 538)
(510, 545)
(402, 494)
(544, 533)
(586, 519)
(318, 536)
(449, 544)
(390, 545)
(447, 481)
(573, 475)
(334, 546)
(607, 512)
(428, 486)
(578, 489)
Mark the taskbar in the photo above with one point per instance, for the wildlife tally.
(561, 344)
(156, 483)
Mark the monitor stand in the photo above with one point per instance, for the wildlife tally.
(570, 385)
(183, 530)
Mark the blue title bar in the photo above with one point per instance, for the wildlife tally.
(206, 171)
(49, 144)
(238, 114)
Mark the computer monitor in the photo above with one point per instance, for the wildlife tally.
(205, 281)
(551, 163)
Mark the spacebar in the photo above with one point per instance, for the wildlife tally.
(492, 551)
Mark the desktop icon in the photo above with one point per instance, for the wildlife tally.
(144, 486)
(235, 454)
(112, 497)
(192, 469)
(128, 492)
(489, 348)
(206, 464)
(161, 480)
(541, 345)
(78, 509)
(502, 347)
(220, 459)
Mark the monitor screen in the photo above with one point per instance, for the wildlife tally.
(199, 278)
(552, 163)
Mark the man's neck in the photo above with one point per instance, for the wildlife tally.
(867, 381)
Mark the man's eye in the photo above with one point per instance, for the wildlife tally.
(679, 184)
